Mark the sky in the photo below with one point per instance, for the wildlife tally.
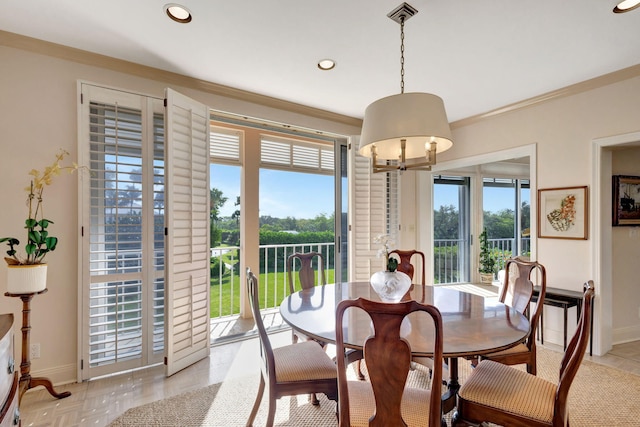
(282, 194)
(495, 199)
(300, 195)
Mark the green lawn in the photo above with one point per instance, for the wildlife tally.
(277, 285)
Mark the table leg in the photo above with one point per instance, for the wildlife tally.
(449, 397)
(26, 381)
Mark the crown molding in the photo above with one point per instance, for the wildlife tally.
(594, 83)
(89, 58)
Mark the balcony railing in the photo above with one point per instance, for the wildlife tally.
(225, 277)
(225, 265)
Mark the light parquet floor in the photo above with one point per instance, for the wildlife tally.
(96, 403)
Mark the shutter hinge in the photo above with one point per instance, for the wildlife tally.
(165, 102)
(81, 98)
(165, 360)
(81, 364)
(166, 231)
(349, 227)
(82, 231)
(349, 146)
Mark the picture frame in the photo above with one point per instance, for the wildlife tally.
(626, 200)
(562, 213)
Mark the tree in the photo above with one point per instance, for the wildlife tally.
(215, 203)
(446, 222)
(236, 214)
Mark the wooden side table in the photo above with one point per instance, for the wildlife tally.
(26, 380)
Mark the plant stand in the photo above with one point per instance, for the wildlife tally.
(26, 381)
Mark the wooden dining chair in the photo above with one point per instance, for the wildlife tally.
(405, 265)
(291, 370)
(517, 292)
(306, 275)
(385, 400)
(504, 395)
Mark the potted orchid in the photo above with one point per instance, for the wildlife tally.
(390, 285)
(27, 273)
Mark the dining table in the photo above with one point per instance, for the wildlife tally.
(473, 325)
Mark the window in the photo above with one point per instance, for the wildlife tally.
(451, 229)
(507, 216)
(123, 263)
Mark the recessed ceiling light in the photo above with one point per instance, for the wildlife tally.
(327, 64)
(178, 13)
(626, 6)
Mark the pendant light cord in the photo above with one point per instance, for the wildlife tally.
(402, 54)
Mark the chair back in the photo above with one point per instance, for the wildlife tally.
(388, 359)
(517, 291)
(574, 354)
(266, 351)
(404, 263)
(306, 272)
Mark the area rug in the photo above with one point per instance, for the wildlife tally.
(599, 396)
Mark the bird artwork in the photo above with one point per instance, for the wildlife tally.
(564, 217)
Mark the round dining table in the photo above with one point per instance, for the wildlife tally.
(473, 325)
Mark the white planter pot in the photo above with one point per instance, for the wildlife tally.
(26, 279)
(486, 278)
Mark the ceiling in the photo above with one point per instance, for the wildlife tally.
(478, 55)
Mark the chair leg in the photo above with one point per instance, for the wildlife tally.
(272, 410)
(359, 370)
(314, 399)
(532, 365)
(256, 404)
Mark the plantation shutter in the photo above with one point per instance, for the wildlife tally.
(121, 140)
(224, 146)
(297, 155)
(372, 211)
(187, 232)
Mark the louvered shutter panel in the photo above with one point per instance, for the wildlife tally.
(367, 214)
(225, 146)
(187, 222)
(296, 155)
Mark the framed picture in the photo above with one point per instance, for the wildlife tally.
(562, 213)
(626, 200)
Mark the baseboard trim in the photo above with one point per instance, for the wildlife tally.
(626, 334)
(58, 375)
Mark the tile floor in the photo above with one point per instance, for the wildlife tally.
(96, 403)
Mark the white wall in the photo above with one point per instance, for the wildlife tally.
(563, 130)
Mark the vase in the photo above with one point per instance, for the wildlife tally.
(390, 286)
(26, 279)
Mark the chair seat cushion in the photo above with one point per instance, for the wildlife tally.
(511, 390)
(520, 348)
(303, 361)
(414, 409)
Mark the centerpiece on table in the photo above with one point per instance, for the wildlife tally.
(390, 285)
(28, 273)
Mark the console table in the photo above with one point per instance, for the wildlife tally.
(564, 299)
(26, 381)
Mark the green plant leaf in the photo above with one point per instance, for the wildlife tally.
(30, 223)
(30, 249)
(35, 237)
(51, 243)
